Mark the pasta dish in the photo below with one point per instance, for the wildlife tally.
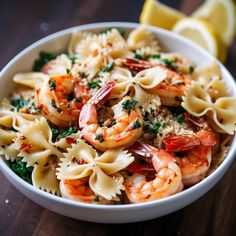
(116, 120)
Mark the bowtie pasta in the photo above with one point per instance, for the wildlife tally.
(116, 120)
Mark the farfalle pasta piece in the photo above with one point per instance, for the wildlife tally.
(141, 37)
(35, 144)
(44, 177)
(11, 119)
(30, 79)
(140, 83)
(209, 76)
(83, 161)
(58, 66)
(75, 40)
(64, 144)
(197, 101)
(97, 51)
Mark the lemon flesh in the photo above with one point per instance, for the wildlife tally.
(202, 33)
(160, 15)
(222, 15)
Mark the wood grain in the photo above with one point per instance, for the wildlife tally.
(24, 22)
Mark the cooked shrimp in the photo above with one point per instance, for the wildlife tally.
(178, 143)
(193, 154)
(79, 190)
(167, 181)
(125, 129)
(194, 164)
(170, 90)
(61, 98)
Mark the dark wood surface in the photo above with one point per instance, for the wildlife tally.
(24, 22)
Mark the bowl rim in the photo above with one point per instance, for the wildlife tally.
(176, 197)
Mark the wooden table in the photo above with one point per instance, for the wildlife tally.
(22, 24)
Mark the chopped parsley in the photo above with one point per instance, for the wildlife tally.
(101, 122)
(109, 67)
(191, 69)
(96, 198)
(67, 71)
(52, 84)
(93, 85)
(67, 132)
(112, 123)
(21, 170)
(18, 103)
(155, 128)
(83, 74)
(167, 62)
(179, 83)
(72, 58)
(138, 56)
(129, 104)
(156, 56)
(180, 119)
(53, 103)
(100, 138)
(177, 110)
(136, 124)
(43, 59)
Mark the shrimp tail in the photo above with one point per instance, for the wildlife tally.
(88, 114)
(180, 143)
(102, 94)
(141, 149)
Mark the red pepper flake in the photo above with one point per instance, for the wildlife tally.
(40, 106)
(26, 147)
(70, 140)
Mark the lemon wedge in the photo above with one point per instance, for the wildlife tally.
(202, 33)
(222, 15)
(160, 15)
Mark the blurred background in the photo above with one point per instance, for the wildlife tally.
(26, 21)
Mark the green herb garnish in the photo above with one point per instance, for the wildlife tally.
(111, 124)
(67, 132)
(155, 128)
(129, 104)
(177, 110)
(101, 122)
(136, 124)
(156, 56)
(67, 71)
(83, 74)
(43, 59)
(191, 69)
(18, 103)
(100, 138)
(167, 62)
(52, 84)
(179, 83)
(53, 103)
(180, 119)
(138, 56)
(109, 67)
(96, 198)
(72, 58)
(93, 85)
(21, 170)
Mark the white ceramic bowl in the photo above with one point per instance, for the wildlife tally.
(57, 43)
